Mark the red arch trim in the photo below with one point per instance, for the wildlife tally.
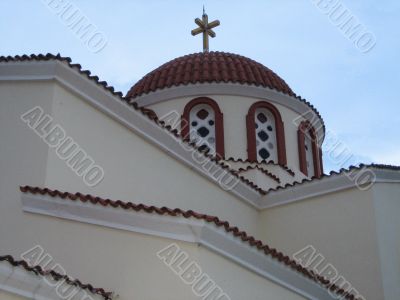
(305, 127)
(251, 132)
(219, 124)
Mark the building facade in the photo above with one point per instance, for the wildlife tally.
(182, 189)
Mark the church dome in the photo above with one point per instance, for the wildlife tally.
(209, 67)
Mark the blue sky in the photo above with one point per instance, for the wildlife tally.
(355, 92)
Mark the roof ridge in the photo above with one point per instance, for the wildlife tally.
(334, 173)
(262, 162)
(38, 270)
(235, 231)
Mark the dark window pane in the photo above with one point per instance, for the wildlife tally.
(202, 114)
(263, 136)
(203, 132)
(264, 154)
(262, 118)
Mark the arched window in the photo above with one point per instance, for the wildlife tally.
(309, 153)
(202, 123)
(265, 134)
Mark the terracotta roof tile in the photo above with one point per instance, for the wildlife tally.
(235, 231)
(266, 172)
(67, 60)
(38, 270)
(209, 67)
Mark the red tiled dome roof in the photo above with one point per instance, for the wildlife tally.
(209, 67)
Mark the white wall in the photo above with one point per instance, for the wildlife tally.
(8, 296)
(239, 283)
(23, 155)
(341, 226)
(135, 170)
(113, 259)
(387, 210)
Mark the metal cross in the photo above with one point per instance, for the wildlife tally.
(206, 29)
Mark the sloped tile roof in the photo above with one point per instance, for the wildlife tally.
(261, 163)
(262, 170)
(67, 60)
(177, 212)
(39, 271)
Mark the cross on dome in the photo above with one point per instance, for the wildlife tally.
(206, 29)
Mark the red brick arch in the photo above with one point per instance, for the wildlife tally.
(251, 132)
(305, 127)
(219, 123)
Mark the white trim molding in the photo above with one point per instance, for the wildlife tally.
(330, 184)
(179, 228)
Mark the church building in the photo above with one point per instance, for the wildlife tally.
(205, 181)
